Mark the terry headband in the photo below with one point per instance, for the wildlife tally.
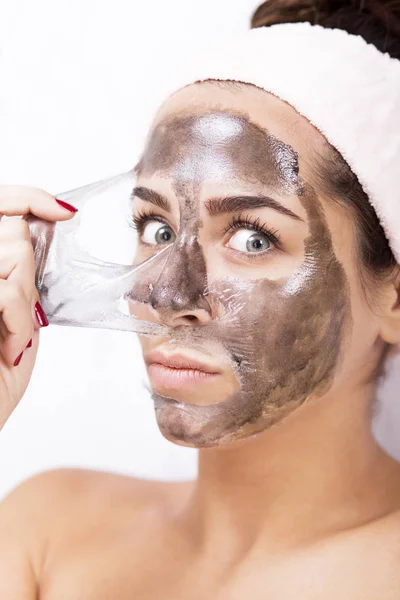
(347, 88)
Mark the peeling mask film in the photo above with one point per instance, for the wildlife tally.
(179, 251)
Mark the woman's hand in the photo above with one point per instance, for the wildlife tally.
(21, 315)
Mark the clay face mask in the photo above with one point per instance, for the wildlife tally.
(273, 332)
(281, 336)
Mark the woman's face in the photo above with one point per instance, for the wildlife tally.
(252, 269)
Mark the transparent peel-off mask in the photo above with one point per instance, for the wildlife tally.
(270, 339)
(84, 266)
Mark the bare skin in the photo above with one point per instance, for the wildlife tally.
(307, 508)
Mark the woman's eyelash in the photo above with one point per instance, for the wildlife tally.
(254, 224)
(140, 220)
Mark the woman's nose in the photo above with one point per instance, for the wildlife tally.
(186, 317)
(178, 295)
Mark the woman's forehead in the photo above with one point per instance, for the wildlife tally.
(219, 145)
(263, 109)
(248, 140)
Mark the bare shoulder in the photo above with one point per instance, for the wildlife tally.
(62, 493)
(50, 513)
(62, 501)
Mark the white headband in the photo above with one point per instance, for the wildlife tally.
(344, 86)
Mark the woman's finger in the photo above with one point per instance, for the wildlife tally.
(14, 228)
(22, 200)
(17, 259)
(16, 313)
(17, 264)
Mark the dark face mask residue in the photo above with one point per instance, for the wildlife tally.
(283, 337)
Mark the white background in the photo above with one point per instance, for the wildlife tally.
(79, 83)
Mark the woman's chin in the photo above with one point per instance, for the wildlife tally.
(181, 423)
(177, 441)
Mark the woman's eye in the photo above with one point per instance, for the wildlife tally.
(157, 234)
(248, 241)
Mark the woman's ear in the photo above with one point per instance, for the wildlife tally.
(390, 325)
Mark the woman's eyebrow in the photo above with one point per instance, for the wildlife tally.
(228, 204)
(152, 196)
(217, 206)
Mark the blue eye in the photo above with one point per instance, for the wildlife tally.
(155, 233)
(250, 241)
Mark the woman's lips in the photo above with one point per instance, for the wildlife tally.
(169, 377)
(177, 371)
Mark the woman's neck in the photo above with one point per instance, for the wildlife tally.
(318, 472)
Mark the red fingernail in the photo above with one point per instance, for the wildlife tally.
(67, 206)
(40, 315)
(18, 360)
(29, 344)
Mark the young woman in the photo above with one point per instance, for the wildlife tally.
(294, 497)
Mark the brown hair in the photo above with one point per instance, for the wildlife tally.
(379, 24)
